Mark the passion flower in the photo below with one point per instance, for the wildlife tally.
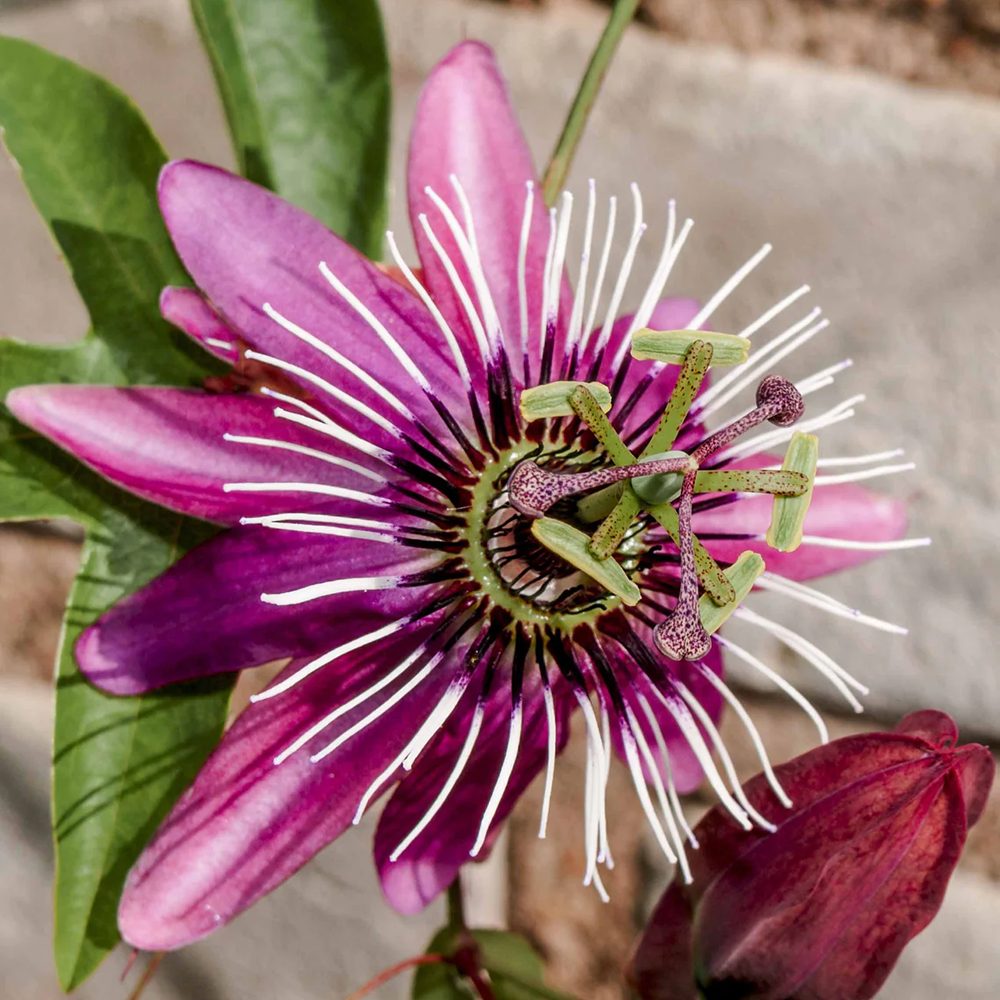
(431, 514)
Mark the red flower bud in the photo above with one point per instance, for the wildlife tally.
(821, 908)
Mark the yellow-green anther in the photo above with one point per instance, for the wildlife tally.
(714, 582)
(612, 530)
(588, 409)
(789, 513)
(571, 544)
(741, 576)
(660, 488)
(780, 482)
(671, 346)
(552, 399)
(696, 362)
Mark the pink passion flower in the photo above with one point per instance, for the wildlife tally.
(822, 908)
(444, 621)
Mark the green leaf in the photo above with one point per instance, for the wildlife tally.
(90, 163)
(515, 970)
(305, 86)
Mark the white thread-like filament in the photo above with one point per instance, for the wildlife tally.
(223, 345)
(682, 716)
(376, 325)
(859, 476)
(624, 270)
(728, 287)
(639, 781)
(459, 286)
(836, 674)
(377, 713)
(661, 747)
(503, 778)
(602, 270)
(748, 724)
(522, 266)
(446, 788)
(314, 591)
(807, 595)
(550, 758)
(580, 295)
(723, 754)
(335, 356)
(331, 390)
(300, 449)
(334, 654)
(432, 308)
(775, 310)
(677, 842)
(797, 696)
(877, 456)
(823, 378)
(861, 546)
(438, 716)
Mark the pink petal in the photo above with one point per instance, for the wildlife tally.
(431, 862)
(465, 125)
(205, 614)
(167, 445)
(187, 309)
(245, 247)
(247, 824)
(845, 511)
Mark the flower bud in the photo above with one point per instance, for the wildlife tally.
(821, 908)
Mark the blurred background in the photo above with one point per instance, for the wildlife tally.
(861, 138)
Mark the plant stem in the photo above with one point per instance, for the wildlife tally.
(555, 174)
(386, 974)
(456, 905)
(147, 975)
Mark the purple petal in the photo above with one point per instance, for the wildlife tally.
(432, 861)
(465, 126)
(167, 445)
(187, 309)
(245, 247)
(247, 824)
(205, 614)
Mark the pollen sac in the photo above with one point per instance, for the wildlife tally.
(552, 399)
(662, 488)
(671, 346)
(788, 514)
(571, 544)
(776, 391)
(741, 575)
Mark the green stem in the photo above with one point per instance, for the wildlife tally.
(456, 905)
(555, 174)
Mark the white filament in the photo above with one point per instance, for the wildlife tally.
(580, 295)
(857, 477)
(639, 781)
(775, 310)
(595, 298)
(331, 390)
(550, 758)
(861, 546)
(780, 682)
(522, 266)
(334, 654)
(503, 779)
(378, 712)
(624, 270)
(446, 788)
(432, 308)
(334, 355)
(342, 492)
(728, 287)
(341, 710)
(300, 449)
(808, 595)
(314, 591)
